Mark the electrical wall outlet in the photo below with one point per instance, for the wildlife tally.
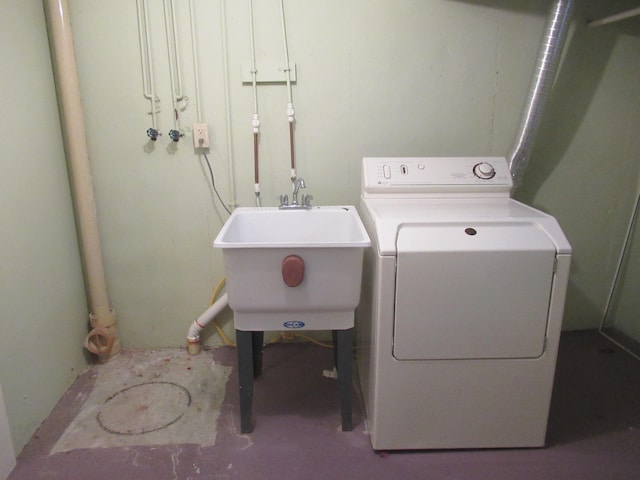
(200, 135)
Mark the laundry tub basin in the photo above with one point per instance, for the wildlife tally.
(293, 269)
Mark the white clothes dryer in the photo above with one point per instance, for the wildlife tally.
(462, 301)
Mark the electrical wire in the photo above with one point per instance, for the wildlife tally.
(313, 340)
(292, 336)
(213, 184)
(216, 291)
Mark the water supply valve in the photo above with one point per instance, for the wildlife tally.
(175, 135)
(152, 133)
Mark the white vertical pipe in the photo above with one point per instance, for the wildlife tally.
(144, 60)
(171, 52)
(290, 110)
(179, 93)
(66, 78)
(196, 59)
(254, 71)
(287, 67)
(152, 85)
(144, 36)
(227, 106)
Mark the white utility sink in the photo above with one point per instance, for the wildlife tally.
(328, 242)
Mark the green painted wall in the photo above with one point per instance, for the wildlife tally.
(43, 313)
(374, 78)
(623, 315)
(585, 166)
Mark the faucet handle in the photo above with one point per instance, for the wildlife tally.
(306, 199)
(284, 199)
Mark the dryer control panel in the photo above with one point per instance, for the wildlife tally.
(428, 176)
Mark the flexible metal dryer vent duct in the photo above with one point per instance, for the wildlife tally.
(540, 88)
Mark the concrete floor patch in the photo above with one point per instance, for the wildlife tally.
(150, 397)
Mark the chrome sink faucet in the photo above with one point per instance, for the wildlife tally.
(296, 185)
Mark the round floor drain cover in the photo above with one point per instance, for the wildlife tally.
(144, 408)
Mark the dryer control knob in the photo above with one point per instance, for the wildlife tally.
(484, 171)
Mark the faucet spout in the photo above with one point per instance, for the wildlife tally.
(297, 185)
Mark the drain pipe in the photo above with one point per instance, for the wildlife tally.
(540, 88)
(103, 339)
(193, 335)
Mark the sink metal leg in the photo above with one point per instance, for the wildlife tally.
(344, 341)
(249, 346)
(257, 341)
(334, 336)
(244, 341)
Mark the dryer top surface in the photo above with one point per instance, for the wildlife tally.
(384, 217)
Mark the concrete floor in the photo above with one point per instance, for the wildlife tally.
(149, 397)
(594, 429)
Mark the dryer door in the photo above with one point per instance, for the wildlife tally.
(471, 291)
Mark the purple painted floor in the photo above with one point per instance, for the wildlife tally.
(594, 430)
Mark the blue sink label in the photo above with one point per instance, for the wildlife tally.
(293, 324)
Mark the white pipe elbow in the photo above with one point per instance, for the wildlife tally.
(194, 332)
(193, 335)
